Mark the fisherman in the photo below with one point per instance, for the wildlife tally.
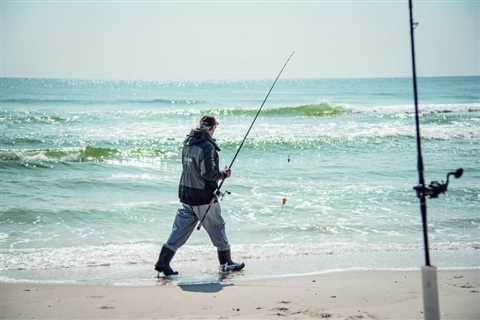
(198, 183)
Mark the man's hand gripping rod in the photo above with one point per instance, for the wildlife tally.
(218, 193)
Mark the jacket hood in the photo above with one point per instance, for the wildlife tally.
(197, 136)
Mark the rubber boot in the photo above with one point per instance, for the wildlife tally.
(163, 263)
(226, 263)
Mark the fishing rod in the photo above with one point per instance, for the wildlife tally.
(420, 167)
(218, 193)
(433, 190)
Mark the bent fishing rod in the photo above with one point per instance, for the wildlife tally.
(218, 193)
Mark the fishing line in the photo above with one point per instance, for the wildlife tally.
(218, 193)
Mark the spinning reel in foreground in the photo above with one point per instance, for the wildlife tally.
(435, 188)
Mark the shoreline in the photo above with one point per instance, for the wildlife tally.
(334, 295)
(241, 277)
(244, 276)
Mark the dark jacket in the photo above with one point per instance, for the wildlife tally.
(200, 168)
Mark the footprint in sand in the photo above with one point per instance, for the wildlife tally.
(365, 315)
(283, 309)
(106, 307)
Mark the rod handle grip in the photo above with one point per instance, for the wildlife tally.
(431, 306)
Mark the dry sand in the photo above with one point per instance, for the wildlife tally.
(342, 295)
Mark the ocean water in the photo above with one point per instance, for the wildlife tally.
(89, 173)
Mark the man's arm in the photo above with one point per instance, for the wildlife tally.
(208, 168)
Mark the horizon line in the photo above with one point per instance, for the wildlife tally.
(239, 79)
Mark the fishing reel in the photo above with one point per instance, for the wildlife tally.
(435, 188)
(219, 194)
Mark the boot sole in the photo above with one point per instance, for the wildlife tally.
(161, 270)
(236, 269)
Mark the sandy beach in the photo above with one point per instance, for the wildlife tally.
(342, 295)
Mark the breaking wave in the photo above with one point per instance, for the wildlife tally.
(307, 110)
(351, 137)
(423, 108)
(32, 117)
(317, 110)
(44, 158)
(41, 157)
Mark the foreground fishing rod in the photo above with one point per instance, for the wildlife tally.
(433, 190)
(218, 193)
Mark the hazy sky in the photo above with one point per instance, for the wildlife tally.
(188, 40)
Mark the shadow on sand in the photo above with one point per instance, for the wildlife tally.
(204, 287)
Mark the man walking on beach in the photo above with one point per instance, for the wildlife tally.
(198, 183)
